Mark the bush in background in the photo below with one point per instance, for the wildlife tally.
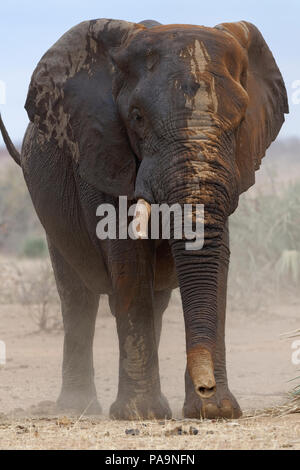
(35, 248)
(265, 247)
(32, 284)
(18, 220)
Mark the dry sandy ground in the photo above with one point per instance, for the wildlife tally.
(259, 366)
(95, 434)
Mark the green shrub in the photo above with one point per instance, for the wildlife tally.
(18, 221)
(34, 248)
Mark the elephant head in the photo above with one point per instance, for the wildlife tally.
(175, 114)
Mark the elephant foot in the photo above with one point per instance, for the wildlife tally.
(141, 407)
(78, 402)
(222, 405)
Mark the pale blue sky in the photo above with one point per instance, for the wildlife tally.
(28, 28)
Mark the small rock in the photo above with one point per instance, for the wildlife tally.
(132, 432)
(21, 429)
(193, 431)
(178, 431)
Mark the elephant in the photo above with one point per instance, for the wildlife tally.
(159, 114)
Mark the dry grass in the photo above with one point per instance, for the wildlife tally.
(289, 408)
(260, 432)
(295, 392)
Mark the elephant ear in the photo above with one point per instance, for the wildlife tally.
(70, 100)
(267, 100)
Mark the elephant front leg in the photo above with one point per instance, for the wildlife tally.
(139, 394)
(223, 404)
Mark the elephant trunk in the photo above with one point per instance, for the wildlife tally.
(198, 270)
(193, 179)
(198, 280)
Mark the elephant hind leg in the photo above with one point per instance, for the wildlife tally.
(79, 309)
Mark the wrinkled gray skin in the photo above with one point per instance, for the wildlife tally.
(175, 114)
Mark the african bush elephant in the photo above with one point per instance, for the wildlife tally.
(161, 114)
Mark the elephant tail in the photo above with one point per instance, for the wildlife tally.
(9, 145)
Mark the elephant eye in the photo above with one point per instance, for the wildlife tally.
(136, 116)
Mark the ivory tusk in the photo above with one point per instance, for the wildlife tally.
(142, 212)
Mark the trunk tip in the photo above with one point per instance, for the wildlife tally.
(206, 392)
(201, 369)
